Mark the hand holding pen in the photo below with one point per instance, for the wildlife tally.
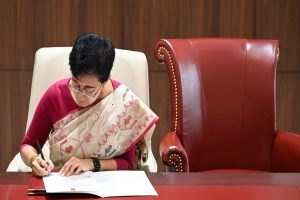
(40, 167)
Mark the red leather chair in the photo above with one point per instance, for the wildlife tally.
(223, 113)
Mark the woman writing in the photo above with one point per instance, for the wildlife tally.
(91, 121)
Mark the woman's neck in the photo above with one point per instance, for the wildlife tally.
(106, 90)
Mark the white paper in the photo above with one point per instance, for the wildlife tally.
(83, 183)
(103, 184)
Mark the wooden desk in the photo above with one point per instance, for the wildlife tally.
(184, 186)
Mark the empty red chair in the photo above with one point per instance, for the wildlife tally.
(223, 113)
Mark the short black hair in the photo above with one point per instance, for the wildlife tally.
(92, 54)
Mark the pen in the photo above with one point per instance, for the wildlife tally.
(40, 149)
(40, 152)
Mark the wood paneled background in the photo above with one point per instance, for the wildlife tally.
(137, 25)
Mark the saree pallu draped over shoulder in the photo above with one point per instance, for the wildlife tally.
(105, 130)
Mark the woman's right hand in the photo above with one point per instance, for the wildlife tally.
(41, 167)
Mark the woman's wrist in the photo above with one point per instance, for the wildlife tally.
(89, 164)
(32, 159)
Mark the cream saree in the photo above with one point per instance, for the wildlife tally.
(106, 130)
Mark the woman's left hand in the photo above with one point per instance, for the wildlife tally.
(75, 166)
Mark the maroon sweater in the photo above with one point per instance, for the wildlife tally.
(54, 105)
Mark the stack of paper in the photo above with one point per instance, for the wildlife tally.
(103, 184)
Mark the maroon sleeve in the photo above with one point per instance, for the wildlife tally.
(41, 124)
(53, 106)
(126, 160)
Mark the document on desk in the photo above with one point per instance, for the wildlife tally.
(103, 184)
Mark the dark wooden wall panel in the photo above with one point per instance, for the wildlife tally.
(280, 19)
(147, 21)
(105, 17)
(233, 18)
(46, 23)
(6, 121)
(20, 84)
(79, 16)
(137, 25)
(277, 19)
(59, 22)
(296, 119)
(13, 105)
(288, 98)
(17, 34)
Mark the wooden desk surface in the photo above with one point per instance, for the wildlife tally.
(184, 186)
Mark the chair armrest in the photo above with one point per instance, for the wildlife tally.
(286, 152)
(173, 154)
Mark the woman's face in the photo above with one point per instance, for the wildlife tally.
(85, 89)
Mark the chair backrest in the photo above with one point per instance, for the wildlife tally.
(52, 64)
(222, 100)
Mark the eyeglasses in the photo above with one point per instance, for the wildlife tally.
(77, 89)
